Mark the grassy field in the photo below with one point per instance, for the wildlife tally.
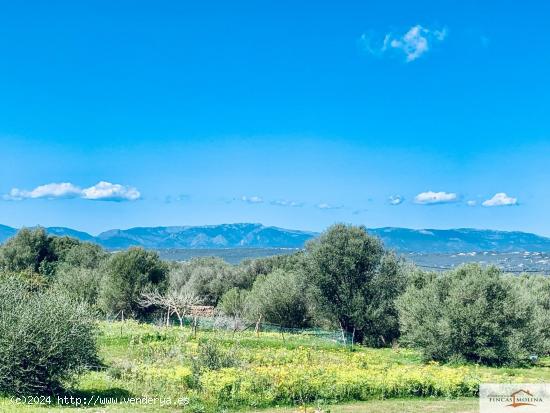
(159, 369)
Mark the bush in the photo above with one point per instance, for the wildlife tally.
(29, 250)
(45, 339)
(537, 289)
(85, 255)
(212, 356)
(233, 303)
(472, 313)
(279, 298)
(208, 278)
(127, 275)
(78, 283)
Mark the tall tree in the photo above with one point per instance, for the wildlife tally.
(356, 282)
(128, 274)
(29, 250)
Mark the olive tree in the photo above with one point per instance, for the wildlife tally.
(28, 250)
(279, 298)
(355, 282)
(234, 304)
(473, 314)
(45, 339)
(127, 275)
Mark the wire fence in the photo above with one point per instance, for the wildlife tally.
(228, 324)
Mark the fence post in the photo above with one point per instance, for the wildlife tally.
(258, 326)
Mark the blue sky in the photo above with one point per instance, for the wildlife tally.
(295, 114)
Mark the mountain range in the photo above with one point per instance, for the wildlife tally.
(247, 235)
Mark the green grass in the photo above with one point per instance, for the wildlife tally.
(146, 361)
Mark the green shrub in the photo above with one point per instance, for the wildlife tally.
(208, 278)
(127, 275)
(279, 298)
(473, 313)
(78, 283)
(233, 303)
(29, 250)
(212, 356)
(45, 339)
(536, 288)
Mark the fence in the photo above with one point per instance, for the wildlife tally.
(227, 324)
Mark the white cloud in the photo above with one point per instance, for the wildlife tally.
(49, 191)
(252, 199)
(396, 199)
(102, 191)
(287, 203)
(106, 191)
(431, 198)
(500, 199)
(471, 203)
(414, 43)
(324, 205)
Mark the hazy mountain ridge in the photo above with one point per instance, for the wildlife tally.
(247, 235)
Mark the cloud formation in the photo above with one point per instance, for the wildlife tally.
(252, 199)
(500, 199)
(287, 203)
(413, 43)
(326, 206)
(102, 191)
(49, 191)
(396, 199)
(432, 198)
(471, 203)
(106, 191)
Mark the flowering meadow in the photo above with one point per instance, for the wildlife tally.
(218, 370)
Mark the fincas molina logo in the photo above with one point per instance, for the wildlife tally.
(524, 398)
(496, 398)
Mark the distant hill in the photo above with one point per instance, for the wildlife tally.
(208, 236)
(6, 232)
(260, 236)
(452, 241)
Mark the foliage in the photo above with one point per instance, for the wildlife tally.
(85, 255)
(208, 278)
(127, 275)
(253, 268)
(279, 298)
(45, 339)
(356, 282)
(234, 302)
(28, 250)
(78, 283)
(472, 313)
(536, 289)
(211, 355)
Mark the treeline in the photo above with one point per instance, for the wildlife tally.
(345, 279)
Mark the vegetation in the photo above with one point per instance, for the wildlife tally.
(356, 282)
(127, 275)
(413, 333)
(470, 314)
(220, 370)
(279, 298)
(45, 339)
